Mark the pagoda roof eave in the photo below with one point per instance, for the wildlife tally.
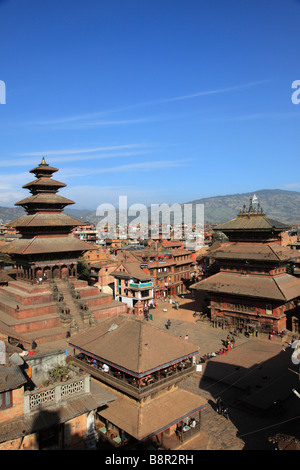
(252, 251)
(50, 219)
(48, 245)
(43, 168)
(284, 287)
(44, 182)
(143, 422)
(251, 222)
(49, 198)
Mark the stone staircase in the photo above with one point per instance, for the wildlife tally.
(52, 310)
(74, 311)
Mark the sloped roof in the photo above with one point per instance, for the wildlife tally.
(252, 251)
(43, 219)
(148, 252)
(132, 269)
(250, 222)
(52, 244)
(202, 252)
(60, 412)
(44, 182)
(145, 420)
(45, 198)
(133, 345)
(43, 167)
(11, 377)
(283, 287)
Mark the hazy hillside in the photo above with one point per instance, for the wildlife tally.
(281, 205)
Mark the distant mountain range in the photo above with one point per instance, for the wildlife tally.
(277, 204)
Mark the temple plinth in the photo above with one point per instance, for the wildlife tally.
(46, 249)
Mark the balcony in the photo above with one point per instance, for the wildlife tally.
(56, 393)
(137, 388)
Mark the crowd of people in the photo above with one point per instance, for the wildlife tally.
(228, 344)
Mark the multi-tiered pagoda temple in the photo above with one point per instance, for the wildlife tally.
(253, 289)
(46, 250)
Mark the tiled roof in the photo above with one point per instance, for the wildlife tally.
(43, 167)
(11, 377)
(142, 421)
(45, 219)
(51, 198)
(132, 269)
(45, 182)
(251, 222)
(133, 345)
(37, 245)
(252, 251)
(283, 287)
(59, 413)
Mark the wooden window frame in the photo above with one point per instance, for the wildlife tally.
(3, 400)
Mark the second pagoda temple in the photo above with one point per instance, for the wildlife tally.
(46, 249)
(253, 290)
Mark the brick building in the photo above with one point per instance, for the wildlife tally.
(171, 270)
(35, 416)
(132, 284)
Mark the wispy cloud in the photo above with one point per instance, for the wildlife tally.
(11, 188)
(205, 93)
(137, 166)
(76, 154)
(73, 151)
(84, 122)
(89, 120)
(255, 116)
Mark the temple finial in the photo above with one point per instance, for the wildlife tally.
(43, 161)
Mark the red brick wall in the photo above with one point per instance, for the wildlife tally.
(17, 408)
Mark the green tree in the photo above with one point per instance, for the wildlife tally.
(218, 236)
(83, 270)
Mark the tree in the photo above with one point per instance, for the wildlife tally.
(83, 270)
(218, 236)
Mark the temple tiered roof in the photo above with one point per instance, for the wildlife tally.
(252, 224)
(45, 230)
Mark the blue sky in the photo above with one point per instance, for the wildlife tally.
(162, 101)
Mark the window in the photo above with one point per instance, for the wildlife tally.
(5, 400)
(269, 310)
(50, 438)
